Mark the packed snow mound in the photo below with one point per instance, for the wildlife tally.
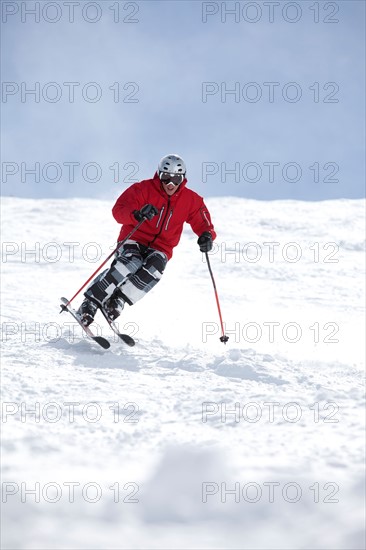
(182, 441)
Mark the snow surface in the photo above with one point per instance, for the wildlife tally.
(138, 412)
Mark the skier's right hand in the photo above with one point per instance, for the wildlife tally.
(147, 212)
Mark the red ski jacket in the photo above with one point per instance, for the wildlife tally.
(163, 232)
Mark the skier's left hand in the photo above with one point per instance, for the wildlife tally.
(205, 242)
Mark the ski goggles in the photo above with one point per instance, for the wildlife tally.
(165, 177)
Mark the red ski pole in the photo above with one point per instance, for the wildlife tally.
(105, 261)
(223, 337)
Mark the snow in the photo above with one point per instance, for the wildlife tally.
(277, 418)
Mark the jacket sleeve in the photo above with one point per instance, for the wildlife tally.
(130, 200)
(200, 219)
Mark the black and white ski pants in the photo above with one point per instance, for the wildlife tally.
(135, 270)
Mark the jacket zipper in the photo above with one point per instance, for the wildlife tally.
(204, 215)
(161, 213)
(162, 225)
(167, 223)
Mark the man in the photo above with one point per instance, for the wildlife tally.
(164, 203)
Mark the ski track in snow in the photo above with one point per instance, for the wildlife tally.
(151, 432)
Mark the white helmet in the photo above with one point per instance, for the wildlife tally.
(173, 164)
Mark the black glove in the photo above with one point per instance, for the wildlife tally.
(148, 212)
(205, 242)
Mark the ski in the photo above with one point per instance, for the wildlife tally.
(124, 337)
(103, 342)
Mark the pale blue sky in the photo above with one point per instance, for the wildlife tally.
(169, 53)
